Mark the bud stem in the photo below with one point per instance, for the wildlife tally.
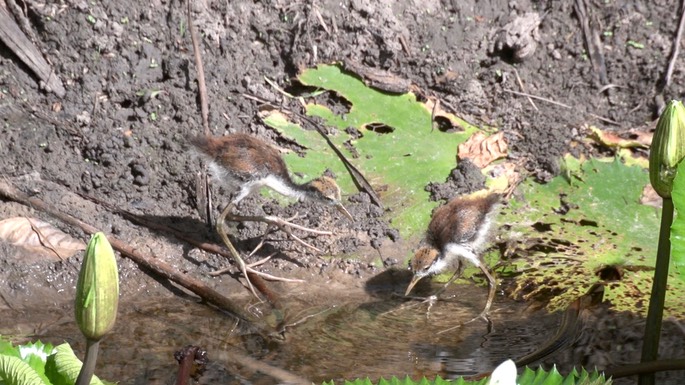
(88, 368)
(655, 313)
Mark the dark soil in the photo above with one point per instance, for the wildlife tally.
(132, 99)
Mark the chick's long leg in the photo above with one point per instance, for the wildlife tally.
(236, 256)
(492, 286)
(492, 283)
(485, 314)
(250, 269)
(467, 254)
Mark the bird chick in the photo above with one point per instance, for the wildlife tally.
(457, 232)
(245, 163)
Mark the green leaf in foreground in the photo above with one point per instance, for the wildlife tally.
(32, 354)
(561, 235)
(14, 371)
(63, 367)
(36, 363)
(36, 355)
(7, 349)
(398, 150)
(528, 377)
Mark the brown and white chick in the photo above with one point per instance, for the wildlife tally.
(243, 163)
(457, 232)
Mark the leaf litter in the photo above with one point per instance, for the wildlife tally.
(36, 239)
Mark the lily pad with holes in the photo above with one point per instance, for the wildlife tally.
(388, 137)
(585, 227)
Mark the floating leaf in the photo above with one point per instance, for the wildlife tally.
(562, 236)
(35, 237)
(388, 137)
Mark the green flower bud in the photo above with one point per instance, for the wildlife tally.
(97, 290)
(668, 148)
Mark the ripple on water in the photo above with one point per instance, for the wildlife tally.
(336, 336)
(386, 337)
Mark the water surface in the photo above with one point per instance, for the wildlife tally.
(334, 335)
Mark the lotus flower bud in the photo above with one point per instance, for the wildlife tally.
(668, 148)
(97, 290)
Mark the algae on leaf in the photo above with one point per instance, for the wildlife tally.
(561, 235)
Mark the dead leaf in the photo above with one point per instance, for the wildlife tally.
(378, 78)
(38, 238)
(505, 177)
(624, 139)
(433, 105)
(483, 150)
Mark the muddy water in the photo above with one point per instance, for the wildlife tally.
(333, 336)
(382, 337)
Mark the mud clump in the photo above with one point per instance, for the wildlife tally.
(463, 179)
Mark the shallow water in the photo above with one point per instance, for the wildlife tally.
(336, 336)
(386, 337)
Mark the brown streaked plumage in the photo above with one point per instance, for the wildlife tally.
(243, 156)
(457, 232)
(245, 163)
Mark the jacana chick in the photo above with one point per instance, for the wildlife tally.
(247, 163)
(457, 232)
(244, 163)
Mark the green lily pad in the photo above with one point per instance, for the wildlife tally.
(398, 151)
(561, 236)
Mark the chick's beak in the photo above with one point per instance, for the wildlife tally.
(343, 210)
(414, 280)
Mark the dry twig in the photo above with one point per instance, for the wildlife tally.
(523, 89)
(539, 98)
(283, 376)
(203, 191)
(156, 265)
(676, 48)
